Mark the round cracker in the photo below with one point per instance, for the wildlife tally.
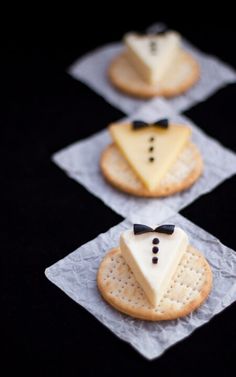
(189, 288)
(181, 176)
(182, 76)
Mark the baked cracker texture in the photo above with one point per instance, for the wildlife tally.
(179, 78)
(189, 288)
(181, 176)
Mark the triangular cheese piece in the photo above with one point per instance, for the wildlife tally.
(137, 251)
(150, 151)
(152, 55)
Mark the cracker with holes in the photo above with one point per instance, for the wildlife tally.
(153, 65)
(154, 274)
(151, 159)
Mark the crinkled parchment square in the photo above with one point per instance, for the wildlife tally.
(92, 69)
(80, 161)
(76, 276)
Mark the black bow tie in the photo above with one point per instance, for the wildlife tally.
(162, 123)
(141, 229)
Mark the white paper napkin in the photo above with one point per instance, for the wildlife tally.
(80, 161)
(76, 276)
(92, 68)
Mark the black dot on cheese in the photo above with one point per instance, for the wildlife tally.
(154, 260)
(153, 46)
(155, 249)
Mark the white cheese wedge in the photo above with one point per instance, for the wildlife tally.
(152, 55)
(135, 146)
(137, 252)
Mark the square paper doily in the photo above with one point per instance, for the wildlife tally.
(92, 69)
(80, 161)
(76, 276)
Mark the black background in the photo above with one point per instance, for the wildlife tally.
(45, 215)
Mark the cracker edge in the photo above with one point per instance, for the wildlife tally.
(159, 192)
(153, 91)
(142, 313)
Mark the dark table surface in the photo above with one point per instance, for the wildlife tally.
(45, 215)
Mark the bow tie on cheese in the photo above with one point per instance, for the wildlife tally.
(139, 249)
(140, 229)
(162, 123)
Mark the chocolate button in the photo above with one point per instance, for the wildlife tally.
(154, 260)
(155, 241)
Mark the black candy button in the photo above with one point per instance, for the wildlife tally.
(153, 46)
(155, 241)
(151, 159)
(154, 260)
(155, 249)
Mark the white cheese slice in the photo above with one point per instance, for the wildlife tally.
(152, 55)
(137, 252)
(165, 144)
